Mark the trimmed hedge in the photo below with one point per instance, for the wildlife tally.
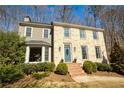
(38, 76)
(10, 73)
(61, 69)
(89, 67)
(103, 67)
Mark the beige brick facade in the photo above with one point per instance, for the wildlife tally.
(76, 42)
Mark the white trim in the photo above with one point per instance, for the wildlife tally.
(81, 30)
(99, 50)
(48, 32)
(49, 54)
(96, 35)
(69, 30)
(31, 31)
(87, 49)
(43, 53)
(27, 54)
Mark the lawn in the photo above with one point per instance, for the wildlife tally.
(65, 81)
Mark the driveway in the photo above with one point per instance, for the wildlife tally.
(87, 78)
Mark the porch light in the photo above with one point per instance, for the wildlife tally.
(59, 49)
(74, 49)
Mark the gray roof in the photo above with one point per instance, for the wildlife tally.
(37, 24)
(77, 26)
(37, 42)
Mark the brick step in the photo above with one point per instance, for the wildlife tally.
(75, 72)
(74, 65)
(75, 69)
(72, 75)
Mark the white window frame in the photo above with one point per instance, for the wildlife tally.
(45, 53)
(96, 35)
(26, 30)
(81, 30)
(86, 52)
(99, 51)
(48, 32)
(68, 31)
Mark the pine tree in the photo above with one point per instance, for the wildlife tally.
(117, 55)
(12, 48)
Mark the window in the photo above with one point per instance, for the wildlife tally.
(46, 33)
(46, 53)
(95, 35)
(84, 52)
(28, 32)
(98, 52)
(82, 34)
(66, 32)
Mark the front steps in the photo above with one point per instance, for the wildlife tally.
(75, 69)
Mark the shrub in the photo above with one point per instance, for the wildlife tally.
(10, 73)
(12, 48)
(46, 66)
(117, 54)
(38, 76)
(94, 67)
(103, 67)
(119, 68)
(88, 67)
(49, 66)
(62, 69)
(28, 68)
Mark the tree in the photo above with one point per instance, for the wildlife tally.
(117, 55)
(64, 13)
(95, 10)
(12, 48)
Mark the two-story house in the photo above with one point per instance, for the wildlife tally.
(62, 41)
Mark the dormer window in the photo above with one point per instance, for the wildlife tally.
(28, 32)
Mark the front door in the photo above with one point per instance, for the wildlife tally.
(67, 53)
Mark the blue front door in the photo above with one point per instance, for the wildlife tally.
(67, 53)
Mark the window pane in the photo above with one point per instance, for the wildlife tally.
(82, 34)
(45, 33)
(66, 32)
(84, 52)
(46, 53)
(28, 31)
(94, 35)
(98, 52)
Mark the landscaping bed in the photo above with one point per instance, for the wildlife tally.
(65, 81)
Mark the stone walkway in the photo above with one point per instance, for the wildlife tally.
(87, 78)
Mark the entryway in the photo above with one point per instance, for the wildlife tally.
(67, 53)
